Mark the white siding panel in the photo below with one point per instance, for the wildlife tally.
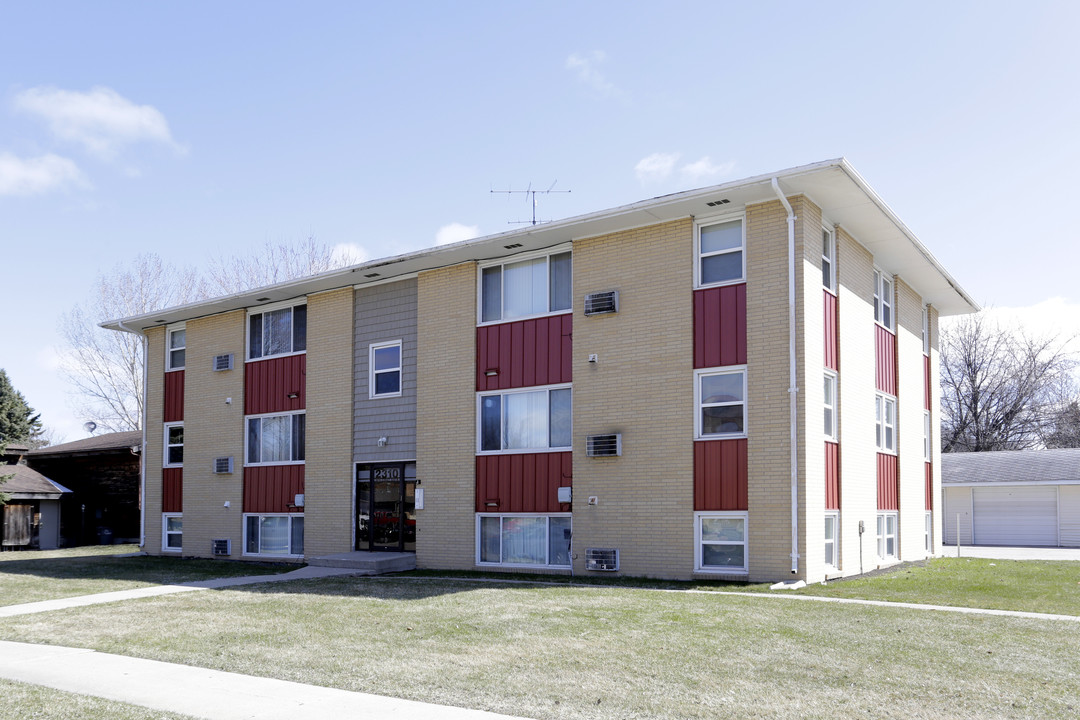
(1025, 516)
(1069, 514)
(957, 502)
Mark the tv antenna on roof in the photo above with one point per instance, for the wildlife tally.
(532, 196)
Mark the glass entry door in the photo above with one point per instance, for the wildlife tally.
(385, 507)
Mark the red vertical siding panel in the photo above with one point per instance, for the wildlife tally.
(272, 488)
(532, 370)
(481, 357)
(566, 359)
(740, 316)
(720, 475)
(525, 353)
(929, 486)
(832, 331)
(888, 482)
(554, 351)
(720, 326)
(522, 483)
(172, 490)
(926, 382)
(699, 329)
(832, 476)
(885, 352)
(174, 396)
(517, 344)
(268, 384)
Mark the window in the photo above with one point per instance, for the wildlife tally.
(883, 299)
(885, 423)
(721, 542)
(280, 331)
(274, 535)
(886, 535)
(830, 406)
(720, 252)
(177, 346)
(926, 330)
(927, 448)
(832, 560)
(172, 532)
(384, 370)
(535, 419)
(275, 439)
(174, 444)
(828, 259)
(525, 288)
(721, 400)
(929, 533)
(535, 540)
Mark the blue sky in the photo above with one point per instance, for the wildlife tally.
(197, 129)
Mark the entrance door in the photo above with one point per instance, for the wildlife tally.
(385, 507)
(17, 524)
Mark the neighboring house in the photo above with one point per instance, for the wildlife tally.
(733, 382)
(103, 474)
(1021, 497)
(31, 516)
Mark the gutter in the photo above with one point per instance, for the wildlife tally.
(142, 453)
(793, 386)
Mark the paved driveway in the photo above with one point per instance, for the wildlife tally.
(1013, 553)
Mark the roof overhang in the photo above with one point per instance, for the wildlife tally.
(841, 193)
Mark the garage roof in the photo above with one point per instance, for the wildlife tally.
(1011, 466)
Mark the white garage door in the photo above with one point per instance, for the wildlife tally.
(1015, 516)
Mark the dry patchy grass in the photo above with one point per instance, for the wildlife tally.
(33, 702)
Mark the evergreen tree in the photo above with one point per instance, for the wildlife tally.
(18, 421)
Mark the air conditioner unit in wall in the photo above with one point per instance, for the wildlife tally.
(221, 547)
(601, 303)
(603, 445)
(602, 559)
(223, 362)
(223, 465)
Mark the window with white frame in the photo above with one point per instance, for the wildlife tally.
(886, 535)
(720, 252)
(277, 331)
(275, 439)
(929, 533)
(530, 540)
(883, 299)
(927, 447)
(174, 444)
(721, 401)
(926, 330)
(721, 542)
(384, 369)
(274, 535)
(828, 259)
(176, 340)
(172, 532)
(830, 406)
(532, 419)
(526, 288)
(832, 523)
(885, 422)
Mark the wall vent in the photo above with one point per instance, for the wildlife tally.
(223, 362)
(223, 465)
(602, 559)
(603, 445)
(221, 547)
(602, 303)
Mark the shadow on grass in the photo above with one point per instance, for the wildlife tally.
(158, 570)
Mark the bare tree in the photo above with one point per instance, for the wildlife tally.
(1063, 430)
(1000, 388)
(277, 262)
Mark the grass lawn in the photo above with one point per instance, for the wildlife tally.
(29, 576)
(19, 700)
(597, 652)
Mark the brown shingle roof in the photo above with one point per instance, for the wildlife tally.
(26, 480)
(98, 443)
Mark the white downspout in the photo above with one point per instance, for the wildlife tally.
(793, 387)
(142, 452)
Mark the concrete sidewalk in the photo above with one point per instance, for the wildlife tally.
(203, 693)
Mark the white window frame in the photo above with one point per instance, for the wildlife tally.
(828, 255)
(834, 541)
(292, 516)
(169, 349)
(928, 451)
(830, 410)
(521, 257)
(166, 445)
(883, 535)
(699, 567)
(884, 298)
(262, 416)
(929, 532)
(705, 222)
(372, 372)
(516, 391)
(165, 533)
(268, 308)
(547, 540)
(727, 370)
(926, 330)
(881, 425)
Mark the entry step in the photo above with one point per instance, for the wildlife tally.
(375, 563)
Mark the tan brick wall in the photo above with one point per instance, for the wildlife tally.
(643, 387)
(213, 427)
(155, 439)
(446, 417)
(328, 472)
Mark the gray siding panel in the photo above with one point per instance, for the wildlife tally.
(385, 313)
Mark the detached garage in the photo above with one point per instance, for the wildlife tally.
(1024, 498)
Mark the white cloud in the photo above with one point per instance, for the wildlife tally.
(456, 232)
(349, 254)
(33, 176)
(101, 120)
(704, 168)
(588, 72)
(656, 167)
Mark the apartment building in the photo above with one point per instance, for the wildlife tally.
(736, 382)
